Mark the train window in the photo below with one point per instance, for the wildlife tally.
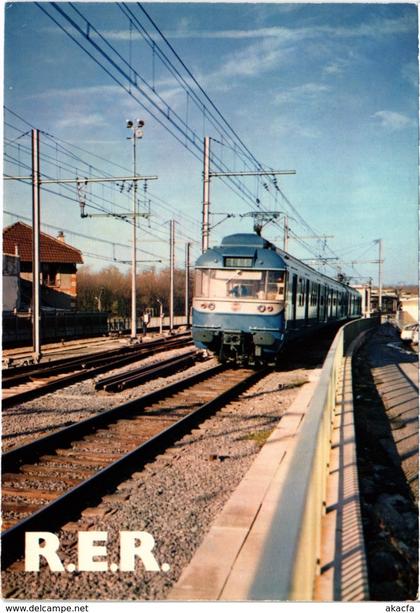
(231, 275)
(198, 284)
(301, 295)
(239, 262)
(274, 285)
(245, 284)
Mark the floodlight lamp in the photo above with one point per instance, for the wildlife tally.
(129, 123)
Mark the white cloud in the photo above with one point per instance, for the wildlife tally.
(333, 68)
(253, 60)
(338, 66)
(85, 92)
(80, 120)
(304, 92)
(410, 73)
(392, 120)
(377, 27)
(287, 127)
(119, 35)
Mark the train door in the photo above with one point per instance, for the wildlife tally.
(318, 302)
(294, 297)
(324, 307)
(307, 298)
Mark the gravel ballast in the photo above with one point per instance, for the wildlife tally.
(31, 420)
(175, 498)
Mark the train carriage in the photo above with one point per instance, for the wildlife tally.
(250, 297)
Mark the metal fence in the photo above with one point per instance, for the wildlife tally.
(123, 324)
(290, 559)
(61, 325)
(55, 326)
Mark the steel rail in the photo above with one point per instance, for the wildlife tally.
(91, 490)
(11, 460)
(88, 368)
(130, 378)
(23, 373)
(11, 374)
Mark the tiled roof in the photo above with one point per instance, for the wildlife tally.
(51, 249)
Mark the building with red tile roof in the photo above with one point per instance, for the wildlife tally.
(19, 236)
(58, 262)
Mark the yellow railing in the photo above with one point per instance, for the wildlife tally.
(291, 554)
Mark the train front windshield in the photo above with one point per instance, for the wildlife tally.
(245, 284)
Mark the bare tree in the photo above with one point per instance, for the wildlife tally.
(110, 290)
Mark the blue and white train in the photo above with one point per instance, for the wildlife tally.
(251, 297)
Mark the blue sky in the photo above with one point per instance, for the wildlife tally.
(329, 90)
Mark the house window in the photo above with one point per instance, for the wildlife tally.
(50, 275)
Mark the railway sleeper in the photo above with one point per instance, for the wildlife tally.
(116, 449)
(88, 455)
(19, 508)
(146, 426)
(30, 493)
(42, 471)
(27, 477)
(61, 462)
(124, 435)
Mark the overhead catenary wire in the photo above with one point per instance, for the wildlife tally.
(91, 238)
(77, 42)
(158, 200)
(93, 205)
(53, 162)
(108, 58)
(162, 237)
(162, 116)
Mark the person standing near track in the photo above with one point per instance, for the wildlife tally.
(146, 321)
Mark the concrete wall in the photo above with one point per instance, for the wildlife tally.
(410, 310)
(11, 287)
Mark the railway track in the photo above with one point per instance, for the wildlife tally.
(49, 481)
(28, 382)
(137, 376)
(24, 355)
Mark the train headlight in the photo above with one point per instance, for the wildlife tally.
(261, 308)
(203, 305)
(270, 308)
(211, 306)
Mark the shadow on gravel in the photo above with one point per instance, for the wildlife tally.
(389, 512)
(309, 352)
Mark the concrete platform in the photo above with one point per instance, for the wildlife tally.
(343, 568)
(395, 372)
(227, 562)
(224, 566)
